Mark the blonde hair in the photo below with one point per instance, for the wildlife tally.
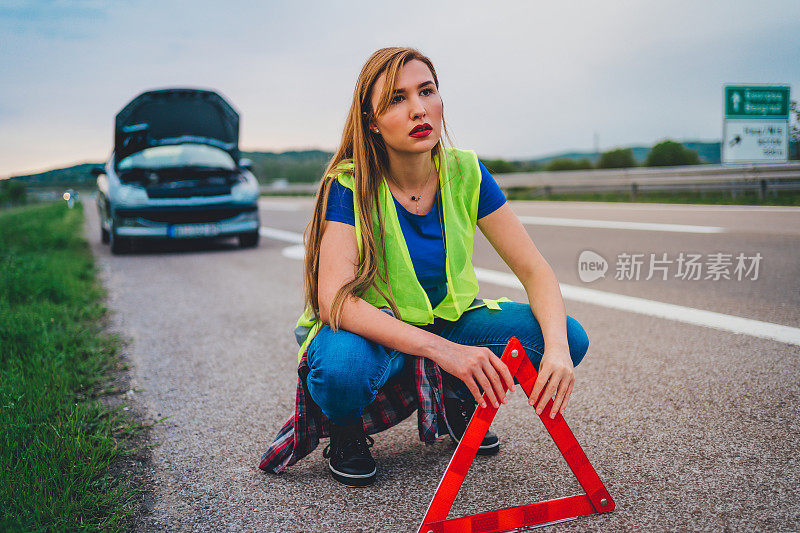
(370, 164)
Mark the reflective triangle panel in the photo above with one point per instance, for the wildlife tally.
(595, 500)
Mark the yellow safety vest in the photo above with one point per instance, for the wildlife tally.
(459, 188)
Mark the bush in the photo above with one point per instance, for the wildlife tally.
(620, 158)
(670, 153)
(12, 192)
(565, 163)
(499, 166)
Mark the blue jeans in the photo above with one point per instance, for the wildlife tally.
(347, 370)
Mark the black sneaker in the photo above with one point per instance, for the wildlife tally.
(458, 414)
(350, 461)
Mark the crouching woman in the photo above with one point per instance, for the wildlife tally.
(393, 324)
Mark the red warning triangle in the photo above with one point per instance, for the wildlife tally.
(595, 500)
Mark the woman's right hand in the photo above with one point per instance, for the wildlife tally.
(475, 365)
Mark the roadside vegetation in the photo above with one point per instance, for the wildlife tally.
(12, 192)
(58, 441)
(666, 153)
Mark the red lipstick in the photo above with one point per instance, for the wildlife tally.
(423, 130)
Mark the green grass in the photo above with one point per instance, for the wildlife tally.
(57, 440)
(721, 198)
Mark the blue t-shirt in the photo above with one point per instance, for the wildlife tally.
(423, 233)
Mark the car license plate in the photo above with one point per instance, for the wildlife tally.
(194, 230)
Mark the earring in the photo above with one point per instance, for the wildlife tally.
(376, 130)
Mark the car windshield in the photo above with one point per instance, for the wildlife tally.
(179, 155)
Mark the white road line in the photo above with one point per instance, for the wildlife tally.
(642, 306)
(281, 235)
(616, 224)
(679, 313)
(272, 205)
(627, 206)
(288, 205)
(298, 251)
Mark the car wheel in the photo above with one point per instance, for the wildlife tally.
(248, 240)
(104, 237)
(119, 245)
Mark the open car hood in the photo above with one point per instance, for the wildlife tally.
(175, 116)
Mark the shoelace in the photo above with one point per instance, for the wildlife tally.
(362, 446)
(466, 409)
(464, 412)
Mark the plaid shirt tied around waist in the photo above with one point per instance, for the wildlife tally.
(395, 401)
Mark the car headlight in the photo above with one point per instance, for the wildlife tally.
(246, 191)
(131, 195)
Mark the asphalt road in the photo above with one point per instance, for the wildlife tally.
(690, 420)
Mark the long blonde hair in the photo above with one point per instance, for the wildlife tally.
(370, 164)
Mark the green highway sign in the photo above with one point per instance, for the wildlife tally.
(757, 101)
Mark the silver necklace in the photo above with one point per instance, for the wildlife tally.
(418, 197)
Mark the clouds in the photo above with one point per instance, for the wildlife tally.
(53, 20)
(518, 78)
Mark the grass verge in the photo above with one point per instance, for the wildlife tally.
(59, 441)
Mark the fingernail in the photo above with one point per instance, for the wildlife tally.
(483, 404)
(496, 405)
(552, 415)
(539, 411)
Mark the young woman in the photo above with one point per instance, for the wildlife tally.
(392, 324)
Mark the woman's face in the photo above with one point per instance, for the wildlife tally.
(413, 121)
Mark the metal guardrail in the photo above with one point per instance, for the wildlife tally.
(294, 188)
(695, 178)
(763, 178)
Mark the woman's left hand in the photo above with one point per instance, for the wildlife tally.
(557, 372)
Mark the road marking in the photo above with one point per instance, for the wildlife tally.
(735, 324)
(298, 251)
(272, 205)
(616, 224)
(642, 306)
(619, 206)
(281, 235)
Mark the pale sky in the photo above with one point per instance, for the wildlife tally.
(519, 79)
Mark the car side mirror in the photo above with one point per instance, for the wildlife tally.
(98, 170)
(246, 163)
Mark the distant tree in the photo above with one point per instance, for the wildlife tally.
(293, 166)
(527, 166)
(12, 191)
(619, 158)
(499, 166)
(669, 154)
(566, 163)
